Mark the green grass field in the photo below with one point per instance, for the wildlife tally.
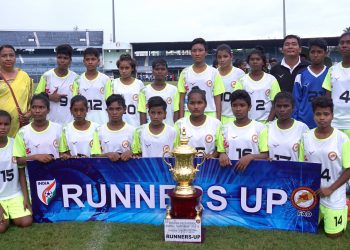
(100, 235)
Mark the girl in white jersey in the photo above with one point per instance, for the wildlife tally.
(11, 197)
(262, 87)
(241, 139)
(202, 76)
(129, 87)
(159, 87)
(79, 136)
(95, 86)
(155, 138)
(38, 140)
(58, 84)
(331, 148)
(201, 129)
(230, 75)
(337, 84)
(285, 133)
(116, 136)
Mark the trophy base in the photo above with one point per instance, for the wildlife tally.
(184, 206)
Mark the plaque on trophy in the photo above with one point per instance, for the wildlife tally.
(183, 220)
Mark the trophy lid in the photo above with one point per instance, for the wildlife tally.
(184, 148)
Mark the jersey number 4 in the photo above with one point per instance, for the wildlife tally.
(345, 96)
(325, 174)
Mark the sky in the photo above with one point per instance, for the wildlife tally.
(180, 20)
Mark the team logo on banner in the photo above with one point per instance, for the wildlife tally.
(46, 190)
(332, 156)
(303, 198)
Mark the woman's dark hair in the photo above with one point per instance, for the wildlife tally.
(322, 102)
(223, 47)
(284, 95)
(116, 98)
(43, 97)
(241, 94)
(197, 90)
(64, 49)
(156, 101)
(200, 41)
(7, 46)
(79, 98)
(258, 51)
(4, 113)
(91, 51)
(344, 34)
(127, 58)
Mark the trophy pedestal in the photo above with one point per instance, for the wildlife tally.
(184, 207)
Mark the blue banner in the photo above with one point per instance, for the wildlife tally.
(267, 195)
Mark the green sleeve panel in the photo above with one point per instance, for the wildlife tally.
(219, 87)
(19, 148)
(263, 141)
(275, 89)
(41, 85)
(136, 144)
(63, 147)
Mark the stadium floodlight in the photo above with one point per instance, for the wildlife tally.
(113, 20)
(284, 18)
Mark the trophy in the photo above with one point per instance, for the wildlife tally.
(185, 198)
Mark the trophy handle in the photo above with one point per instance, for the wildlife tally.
(201, 163)
(166, 162)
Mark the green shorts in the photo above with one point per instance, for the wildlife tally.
(14, 208)
(227, 119)
(346, 131)
(335, 220)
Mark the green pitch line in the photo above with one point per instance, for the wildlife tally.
(99, 235)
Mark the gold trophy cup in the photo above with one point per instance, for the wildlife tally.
(185, 198)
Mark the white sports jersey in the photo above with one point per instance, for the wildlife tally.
(31, 142)
(229, 82)
(93, 90)
(131, 96)
(50, 82)
(201, 137)
(261, 92)
(208, 80)
(338, 82)
(79, 142)
(169, 95)
(152, 145)
(9, 182)
(116, 140)
(330, 153)
(240, 141)
(284, 143)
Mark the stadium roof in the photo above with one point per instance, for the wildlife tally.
(50, 39)
(235, 44)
